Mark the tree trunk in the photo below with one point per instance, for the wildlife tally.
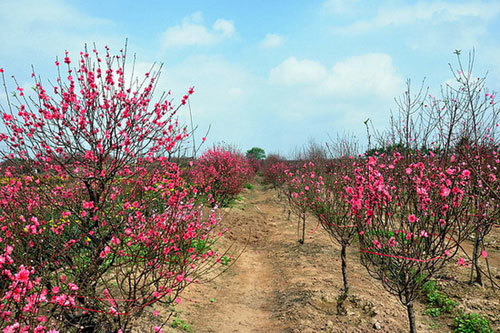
(301, 241)
(475, 261)
(411, 317)
(303, 227)
(344, 268)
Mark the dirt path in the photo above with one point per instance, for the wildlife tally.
(242, 300)
(277, 285)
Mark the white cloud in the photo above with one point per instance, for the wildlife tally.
(48, 28)
(225, 95)
(425, 11)
(188, 34)
(370, 74)
(196, 17)
(53, 12)
(490, 57)
(293, 71)
(339, 7)
(271, 41)
(224, 26)
(432, 26)
(192, 32)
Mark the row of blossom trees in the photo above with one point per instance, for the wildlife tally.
(411, 203)
(96, 221)
(410, 213)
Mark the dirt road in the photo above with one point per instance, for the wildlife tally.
(278, 285)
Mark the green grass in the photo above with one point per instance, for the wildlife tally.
(181, 324)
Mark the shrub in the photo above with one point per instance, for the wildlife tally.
(472, 323)
(221, 174)
(274, 172)
(437, 302)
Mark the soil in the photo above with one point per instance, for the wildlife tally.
(279, 285)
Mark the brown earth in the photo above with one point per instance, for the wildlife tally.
(278, 285)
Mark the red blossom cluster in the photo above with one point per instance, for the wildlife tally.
(273, 172)
(221, 174)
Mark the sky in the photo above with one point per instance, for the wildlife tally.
(271, 74)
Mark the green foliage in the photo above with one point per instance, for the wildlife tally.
(249, 186)
(181, 324)
(256, 153)
(201, 246)
(433, 312)
(429, 287)
(441, 301)
(472, 323)
(380, 232)
(235, 202)
(225, 260)
(437, 302)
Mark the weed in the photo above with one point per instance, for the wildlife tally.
(437, 302)
(472, 323)
(433, 312)
(225, 260)
(181, 324)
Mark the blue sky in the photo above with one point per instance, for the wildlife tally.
(272, 74)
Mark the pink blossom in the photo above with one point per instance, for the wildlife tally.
(444, 192)
(72, 286)
(105, 252)
(22, 275)
(113, 311)
(88, 204)
(412, 218)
